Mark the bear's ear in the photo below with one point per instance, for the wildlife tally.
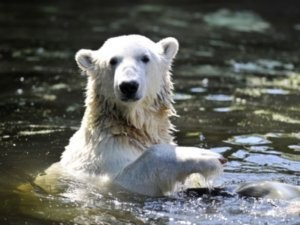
(84, 59)
(170, 47)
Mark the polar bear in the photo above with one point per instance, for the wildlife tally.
(125, 137)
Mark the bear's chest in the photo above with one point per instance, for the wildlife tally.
(112, 156)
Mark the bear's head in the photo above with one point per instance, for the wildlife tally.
(130, 69)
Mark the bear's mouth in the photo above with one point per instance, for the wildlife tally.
(129, 98)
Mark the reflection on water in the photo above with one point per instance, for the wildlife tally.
(219, 97)
(237, 90)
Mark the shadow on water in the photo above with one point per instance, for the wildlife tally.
(237, 91)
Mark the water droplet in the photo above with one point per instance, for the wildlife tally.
(20, 91)
(201, 137)
(40, 50)
(205, 82)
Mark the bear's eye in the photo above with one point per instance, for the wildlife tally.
(145, 59)
(113, 61)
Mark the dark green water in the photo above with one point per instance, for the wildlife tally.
(237, 87)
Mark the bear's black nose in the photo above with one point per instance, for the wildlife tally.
(129, 88)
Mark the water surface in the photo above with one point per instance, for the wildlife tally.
(237, 90)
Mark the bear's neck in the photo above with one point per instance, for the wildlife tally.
(144, 123)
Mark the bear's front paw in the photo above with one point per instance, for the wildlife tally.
(195, 160)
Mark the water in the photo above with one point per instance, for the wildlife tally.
(237, 90)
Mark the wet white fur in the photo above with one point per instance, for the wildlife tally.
(130, 143)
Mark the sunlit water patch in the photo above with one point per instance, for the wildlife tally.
(219, 97)
(198, 90)
(251, 139)
(223, 109)
(278, 116)
(207, 70)
(272, 163)
(181, 96)
(263, 66)
(220, 150)
(244, 21)
(275, 91)
(295, 147)
(291, 135)
(228, 109)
